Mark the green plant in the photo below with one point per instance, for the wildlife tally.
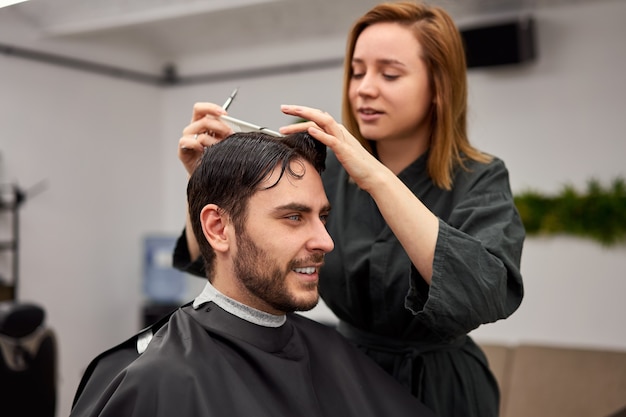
(599, 213)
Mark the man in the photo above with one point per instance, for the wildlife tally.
(258, 209)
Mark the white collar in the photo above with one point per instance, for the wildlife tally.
(261, 318)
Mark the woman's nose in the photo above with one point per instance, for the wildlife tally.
(367, 86)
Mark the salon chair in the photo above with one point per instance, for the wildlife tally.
(27, 362)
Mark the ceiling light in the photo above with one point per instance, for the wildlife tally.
(4, 3)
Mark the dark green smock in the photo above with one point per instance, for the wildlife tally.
(415, 331)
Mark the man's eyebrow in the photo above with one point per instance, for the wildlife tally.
(300, 208)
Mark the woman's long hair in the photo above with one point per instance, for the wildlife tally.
(444, 57)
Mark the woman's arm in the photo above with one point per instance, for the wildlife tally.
(413, 224)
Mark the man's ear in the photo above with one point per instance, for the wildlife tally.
(215, 225)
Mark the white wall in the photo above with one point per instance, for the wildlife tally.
(556, 122)
(95, 143)
(106, 149)
(559, 120)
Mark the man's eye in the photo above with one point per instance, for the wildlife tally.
(294, 217)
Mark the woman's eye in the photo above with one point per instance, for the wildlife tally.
(391, 77)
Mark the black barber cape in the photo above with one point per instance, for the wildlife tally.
(208, 362)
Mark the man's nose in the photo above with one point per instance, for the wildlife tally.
(321, 240)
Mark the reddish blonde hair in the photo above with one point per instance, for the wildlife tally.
(444, 57)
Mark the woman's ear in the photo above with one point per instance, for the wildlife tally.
(214, 226)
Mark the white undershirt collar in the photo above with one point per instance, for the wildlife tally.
(261, 318)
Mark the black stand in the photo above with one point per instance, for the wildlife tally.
(9, 288)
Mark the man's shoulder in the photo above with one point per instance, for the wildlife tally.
(144, 368)
(128, 356)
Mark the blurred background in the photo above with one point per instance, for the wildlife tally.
(94, 96)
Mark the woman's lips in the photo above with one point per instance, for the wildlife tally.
(369, 115)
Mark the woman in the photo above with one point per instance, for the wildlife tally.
(427, 238)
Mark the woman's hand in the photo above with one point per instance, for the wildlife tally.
(205, 130)
(356, 160)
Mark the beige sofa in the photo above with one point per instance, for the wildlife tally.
(545, 381)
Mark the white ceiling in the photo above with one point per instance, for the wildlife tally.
(169, 29)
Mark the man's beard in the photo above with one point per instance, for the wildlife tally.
(263, 277)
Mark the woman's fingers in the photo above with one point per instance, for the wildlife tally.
(320, 124)
(190, 150)
(205, 129)
(318, 117)
(296, 127)
(202, 109)
(209, 124)
(206, 125)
